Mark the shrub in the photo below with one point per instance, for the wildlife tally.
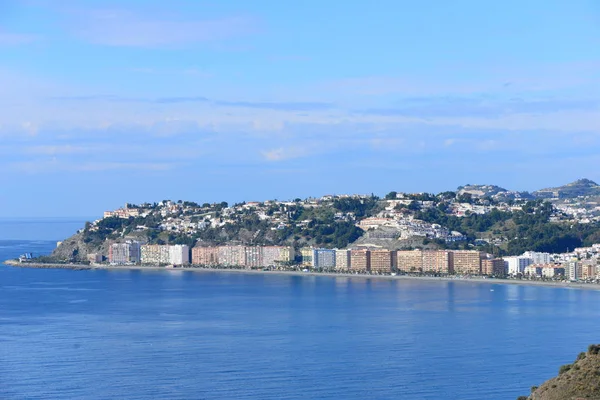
(564, 368)
(594, 349)
(581, 356)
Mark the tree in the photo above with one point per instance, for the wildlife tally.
(391, 196)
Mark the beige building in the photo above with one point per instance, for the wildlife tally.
(342, 260)
(307, 256)
(205, 255)
(232, 255)
(439, 261)
(154, 254)
(467, 262)
(409, 260)
(360, 260)
(276, 255)
(494, 266)
(253, 257)
(382, 260)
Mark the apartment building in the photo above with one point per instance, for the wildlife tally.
(253, 257)
(342, 260)
(232, 255)
(438, 261)
(382, 260)
(494, 266)
(276, 255)
(360, 260)
(409, 260)
(307, 256)
(124, 253)
(179, 254)
(205, 255)
(467, 262)
(517, 264)
(154, 254)
(323, 258)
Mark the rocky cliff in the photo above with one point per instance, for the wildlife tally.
(580, 380)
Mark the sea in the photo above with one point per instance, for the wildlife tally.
(126, 334)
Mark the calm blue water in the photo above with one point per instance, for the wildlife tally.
(184, 335)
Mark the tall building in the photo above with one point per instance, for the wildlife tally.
(205, 255)
(409, 260)
(573, 270)
(307, 256)
(494, 266)
(467, 262)
(287, 254)
(537, 257)
(382, 260)
(179, 254)
(360, 260)
(439, 261)
(276, 255)
(154, 254)
(253, 255)
(516, 264)
(124, 253)
(323, 258)
(231, 256)
(342, 260)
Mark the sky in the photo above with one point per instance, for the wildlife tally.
(108, 102)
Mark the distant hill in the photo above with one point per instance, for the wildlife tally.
(580, 380)
(581, 187)
(480, 190)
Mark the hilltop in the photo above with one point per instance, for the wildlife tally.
(579, 380)
(581, 187)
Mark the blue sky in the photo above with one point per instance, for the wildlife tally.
(107, 102)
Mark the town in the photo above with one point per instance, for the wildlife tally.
(475, 230)
(581, 264)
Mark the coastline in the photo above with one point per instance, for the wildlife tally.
(499, 281)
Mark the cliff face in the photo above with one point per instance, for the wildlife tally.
(76, 249)
(580, 380)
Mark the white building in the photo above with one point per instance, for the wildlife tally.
(537, 257)
(179, 254)
(517, 264)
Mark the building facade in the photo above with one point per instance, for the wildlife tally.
(179, 254)
(205, 255)
(494, 266)
(467, 262)
(154, 254)
(517, 264)
(127, 253)
(438, 261)
(409, 260)
(382, 260)
(360, 260)
(323, 258)
(342, 260)
(231, 256)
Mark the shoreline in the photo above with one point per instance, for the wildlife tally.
(476, 279)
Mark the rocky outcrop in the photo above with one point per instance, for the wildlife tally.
(580, 380)
(76, 249)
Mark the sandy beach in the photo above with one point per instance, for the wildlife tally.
(555, 284)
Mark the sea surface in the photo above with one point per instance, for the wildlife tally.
(184, 335)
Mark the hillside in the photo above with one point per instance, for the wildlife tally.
(581, 187)
(580, 380)
(471, 218)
